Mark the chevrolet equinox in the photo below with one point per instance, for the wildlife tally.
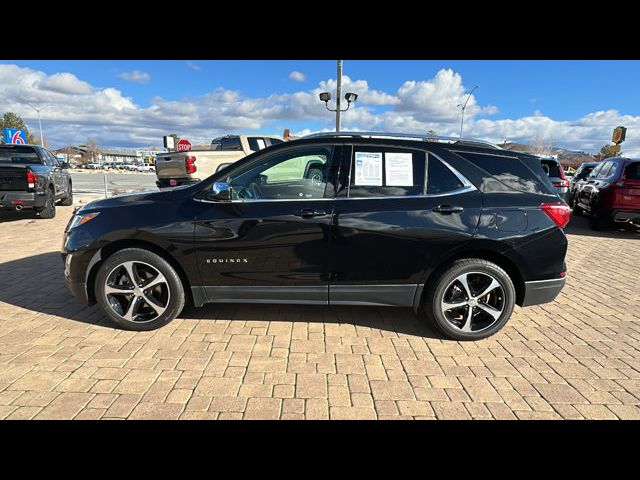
(458, 230)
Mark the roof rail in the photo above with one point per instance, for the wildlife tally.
(405, 136)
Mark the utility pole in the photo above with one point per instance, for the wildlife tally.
(338, 94)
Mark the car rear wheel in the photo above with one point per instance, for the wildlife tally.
(49, 209)
(139, 290)
(472, 299)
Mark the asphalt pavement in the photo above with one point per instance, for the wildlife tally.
(92, 184)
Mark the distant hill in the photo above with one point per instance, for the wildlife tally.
(567, 157)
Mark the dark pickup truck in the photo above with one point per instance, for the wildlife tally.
(31, 177)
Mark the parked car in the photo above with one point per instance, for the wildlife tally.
(144, 168)
(580, 174)
(554, 170)
(385, 219)
(610, 194)
(182, 168)
(31, 177)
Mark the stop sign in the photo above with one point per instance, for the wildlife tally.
(184, 145)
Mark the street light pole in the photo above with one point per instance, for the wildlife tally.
(339, 94)
(39, 123)
(464, 107)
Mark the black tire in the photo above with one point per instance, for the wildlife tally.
(176, 297)
(577, 210)
(315, 175)
(49, 209)
(596, 219)
(435, 291)
(67, 201)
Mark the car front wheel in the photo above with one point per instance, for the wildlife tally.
(139, 290)
(472, 299)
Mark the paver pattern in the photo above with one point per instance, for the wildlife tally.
(575, 358)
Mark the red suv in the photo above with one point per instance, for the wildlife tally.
(611, 193)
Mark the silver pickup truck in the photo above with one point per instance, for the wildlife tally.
(180, 168)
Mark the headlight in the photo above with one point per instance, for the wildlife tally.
(78, 220)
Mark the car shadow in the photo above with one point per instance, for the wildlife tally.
(579, 225)
(37, 284)
(13, 216)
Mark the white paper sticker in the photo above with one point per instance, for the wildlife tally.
(369, 168)
(399, 169)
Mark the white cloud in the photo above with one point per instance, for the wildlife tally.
(193, 66)
(297, 76)
(73, 110)
(136, 76)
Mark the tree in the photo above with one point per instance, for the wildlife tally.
(607, 151)
(542, 145)
(91, 151)
(432, 133)
(11, 120)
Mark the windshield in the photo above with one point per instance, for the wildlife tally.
(551, 168)
(19, 155)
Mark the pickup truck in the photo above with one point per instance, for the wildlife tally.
(182, 168)
(31, 177)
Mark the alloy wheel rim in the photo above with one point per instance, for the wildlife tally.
(473, 302)
(137, 292)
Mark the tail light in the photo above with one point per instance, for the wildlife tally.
(563, 180)
(190, 163)
(31, 179)
(560, 213)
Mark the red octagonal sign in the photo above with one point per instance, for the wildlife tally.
(184, 145)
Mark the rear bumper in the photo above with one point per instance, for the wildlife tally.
(626, 216)
(11, 199)
(175, 182)
(542, 291)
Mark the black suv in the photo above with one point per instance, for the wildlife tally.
(458, 230)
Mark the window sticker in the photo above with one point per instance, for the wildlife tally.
(399, 169)
(368, 169)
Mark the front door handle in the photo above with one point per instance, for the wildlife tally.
(447, 209)
(310, 213)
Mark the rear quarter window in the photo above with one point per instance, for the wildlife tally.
(509, 174)
(632, 171)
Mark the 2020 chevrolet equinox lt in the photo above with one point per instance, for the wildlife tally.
(458, 230)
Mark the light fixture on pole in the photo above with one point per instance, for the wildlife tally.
(465, 106)
(39, 123)
(349, 97)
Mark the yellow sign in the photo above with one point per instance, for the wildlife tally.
(619, 133)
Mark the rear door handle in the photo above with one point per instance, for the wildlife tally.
(310, 213)
(447, 209)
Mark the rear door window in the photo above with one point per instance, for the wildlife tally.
(386, 172)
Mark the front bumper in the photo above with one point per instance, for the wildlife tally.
(77, 288)
(542, 291)
(11, 199)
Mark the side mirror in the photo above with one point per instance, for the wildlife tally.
(220, 191)
(65, 166)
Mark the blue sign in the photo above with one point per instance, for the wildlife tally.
(11, 135)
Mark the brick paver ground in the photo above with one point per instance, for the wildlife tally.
(575, 358)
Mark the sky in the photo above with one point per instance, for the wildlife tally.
(570, 104)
